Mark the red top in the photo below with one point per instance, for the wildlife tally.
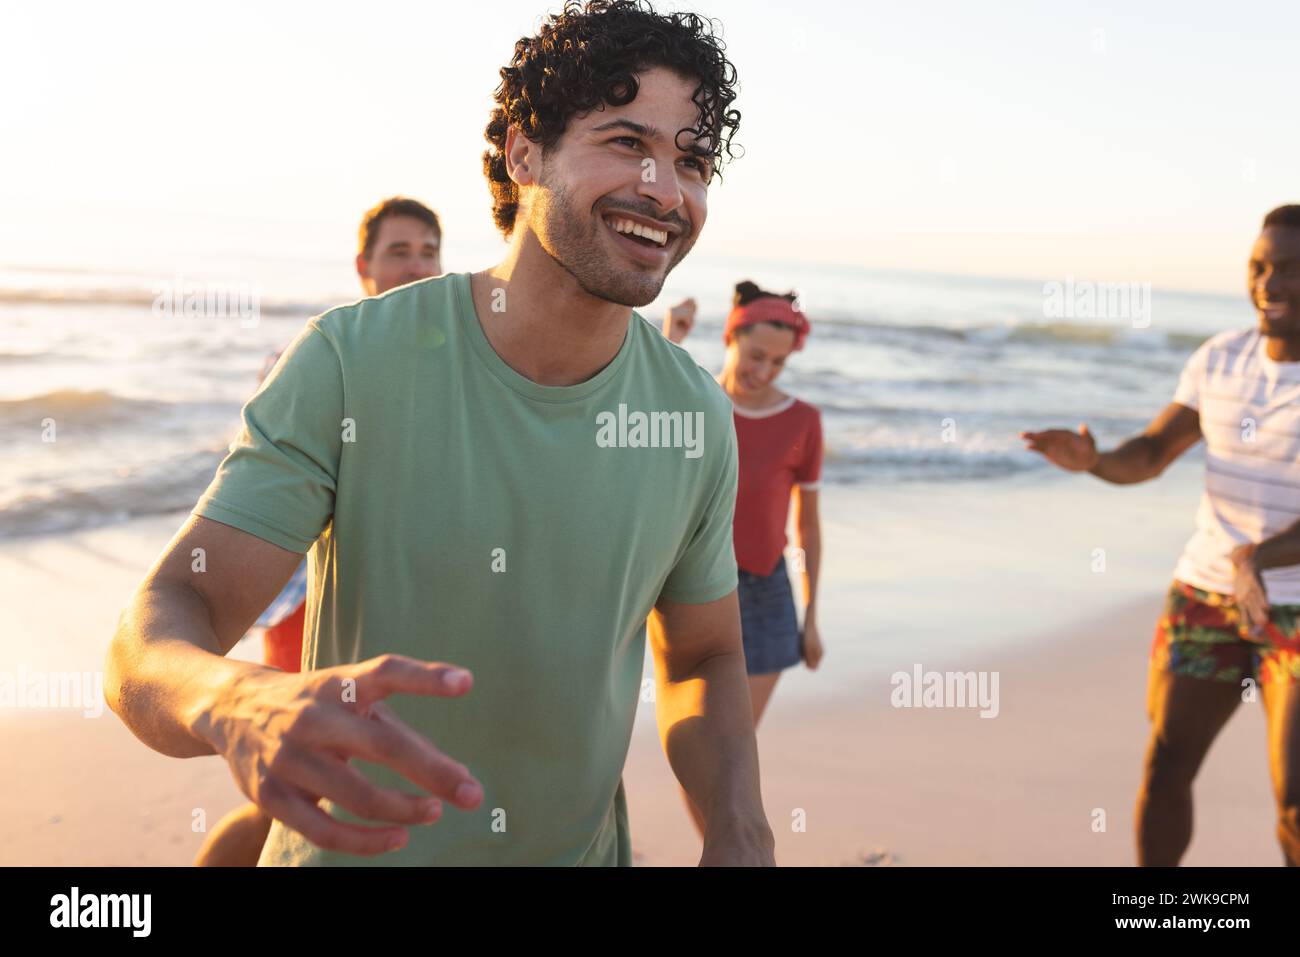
(779, 447)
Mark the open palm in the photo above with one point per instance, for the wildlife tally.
(1072, 451)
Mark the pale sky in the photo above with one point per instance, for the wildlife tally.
(1138, 141)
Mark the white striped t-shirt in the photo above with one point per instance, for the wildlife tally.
(1249, 407)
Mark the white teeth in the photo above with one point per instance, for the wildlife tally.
(658, 236)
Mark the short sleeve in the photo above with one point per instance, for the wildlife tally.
(706, 571)
(1188, 392)
(809, 473)
(278, 480)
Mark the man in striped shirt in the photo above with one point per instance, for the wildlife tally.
(1232, 617)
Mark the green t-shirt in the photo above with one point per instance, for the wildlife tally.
(466, 514)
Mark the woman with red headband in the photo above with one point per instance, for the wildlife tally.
(779, 439)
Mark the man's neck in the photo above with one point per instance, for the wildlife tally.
(541, 322)
(1283, 348)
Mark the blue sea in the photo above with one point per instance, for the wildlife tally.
(112, 407)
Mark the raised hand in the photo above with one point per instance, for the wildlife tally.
(679, 320)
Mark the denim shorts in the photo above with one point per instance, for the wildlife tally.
(769, 625)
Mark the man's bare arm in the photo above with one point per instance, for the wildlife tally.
(200, 597)
(1171, 433)
(1277, 551)
(288, 737)
(1145, 456)
(706, 725)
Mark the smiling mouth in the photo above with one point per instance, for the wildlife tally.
(639, 233)
(1273, 310)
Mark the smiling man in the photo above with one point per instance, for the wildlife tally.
(1232, 616)
(481, 556)
(400, 241)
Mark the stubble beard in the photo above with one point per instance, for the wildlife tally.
(572, 239)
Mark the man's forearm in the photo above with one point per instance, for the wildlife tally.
(1135, 460)
(707, 729)
(164, 664)
(1280, 550)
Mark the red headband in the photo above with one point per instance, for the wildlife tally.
(768, 309)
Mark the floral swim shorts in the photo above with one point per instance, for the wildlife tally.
(1201, 634)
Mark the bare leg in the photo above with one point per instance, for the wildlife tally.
(1282, 706)
(760, 692)
(1186, 715)
(237, 839)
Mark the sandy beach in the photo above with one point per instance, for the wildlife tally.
(848, 779)
(919, 787)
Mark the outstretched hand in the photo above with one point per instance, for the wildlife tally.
(1072, 451)
(289, 739)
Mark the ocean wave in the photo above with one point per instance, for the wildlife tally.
(1030, 333)
(99, 408)
(927, 464)
(95, 406)
(168, 486)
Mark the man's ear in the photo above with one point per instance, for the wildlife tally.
(523, 157)
(363, 267)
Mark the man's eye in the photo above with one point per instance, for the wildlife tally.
(629, 140)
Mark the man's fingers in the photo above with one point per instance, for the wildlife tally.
(397, 674)
(392, 743)
(460, 787)
(295, 811)
(1040, 440)
(1258, 614)
(340, 782)
(1254, 610)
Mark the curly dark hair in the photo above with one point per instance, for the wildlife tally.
(591, 54)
